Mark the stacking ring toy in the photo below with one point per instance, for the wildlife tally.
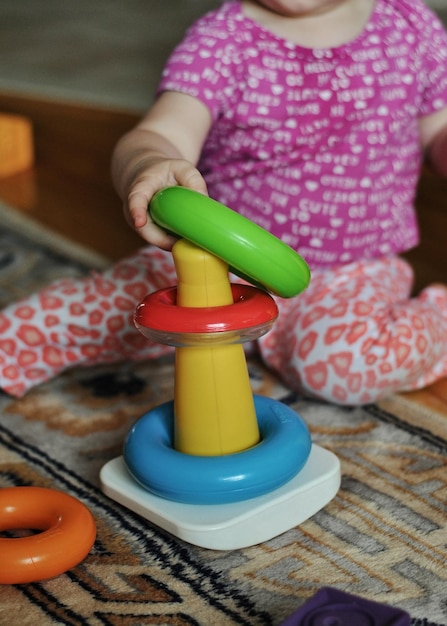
(154, 463)
(159, 318)
(68, 534)
(251, 252)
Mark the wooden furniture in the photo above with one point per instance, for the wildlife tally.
(69, 189)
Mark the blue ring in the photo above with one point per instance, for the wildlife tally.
(154, 463)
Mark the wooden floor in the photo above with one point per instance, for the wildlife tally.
(70, 190)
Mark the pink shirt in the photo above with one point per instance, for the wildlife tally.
(318, 146)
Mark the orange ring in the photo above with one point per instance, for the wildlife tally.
(68, 535)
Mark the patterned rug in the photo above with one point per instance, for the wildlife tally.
(383, 537)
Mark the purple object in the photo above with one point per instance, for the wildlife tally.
(330, 607)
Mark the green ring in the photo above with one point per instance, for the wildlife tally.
(251, 252)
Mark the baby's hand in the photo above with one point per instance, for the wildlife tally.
(155, 174)
(161, 151)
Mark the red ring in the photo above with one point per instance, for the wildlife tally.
(252, 307)
(68, 535)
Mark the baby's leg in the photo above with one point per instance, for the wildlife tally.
(81, 322)
(355, 336)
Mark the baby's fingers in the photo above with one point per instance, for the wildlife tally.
(137, 204)
(190, 177)
(156, 235)
(139, 219)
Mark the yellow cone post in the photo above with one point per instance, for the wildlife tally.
(213, 400)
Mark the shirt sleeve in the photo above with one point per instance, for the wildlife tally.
(431, 60)
(205, 64)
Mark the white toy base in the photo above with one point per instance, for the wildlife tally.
(235, 525)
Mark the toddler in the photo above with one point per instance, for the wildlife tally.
(311, 118)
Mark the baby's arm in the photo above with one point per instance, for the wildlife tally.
(161, 151)
(433, 130)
